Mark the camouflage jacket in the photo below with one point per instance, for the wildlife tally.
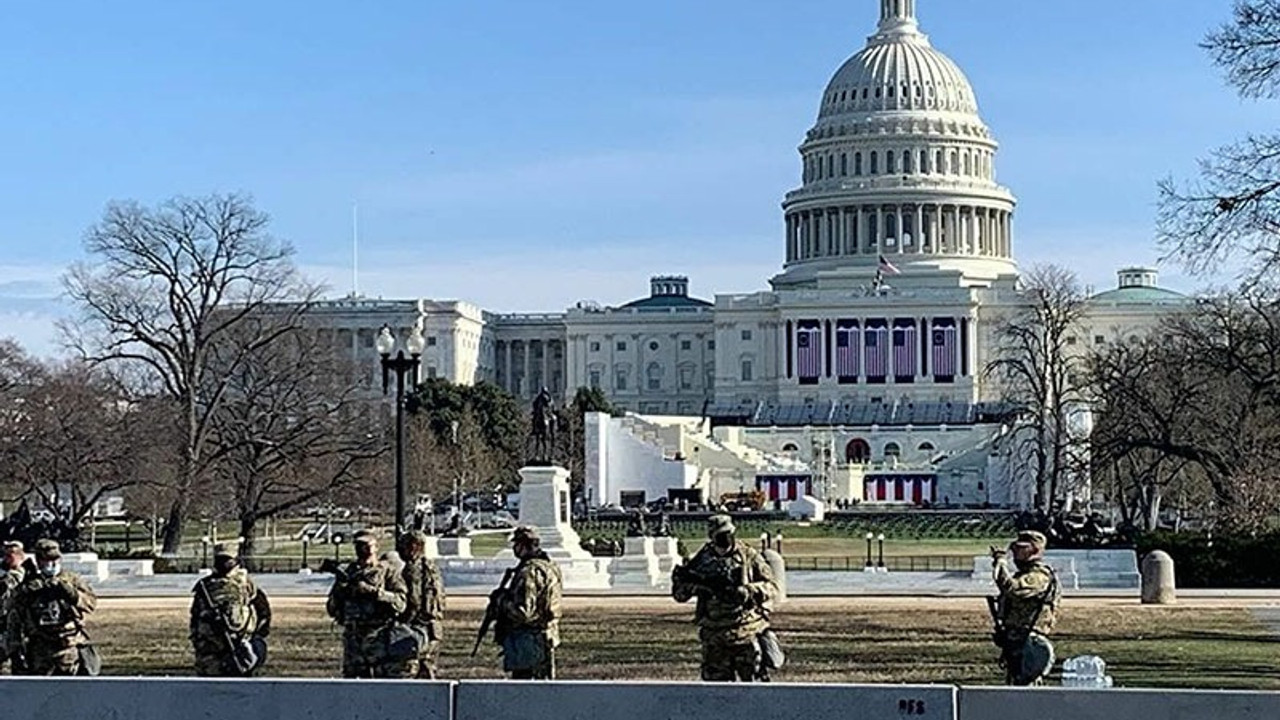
(366, 596)
(9, 583)
(237, 599)
(532, 601)
(424, 603)
(735, 590)
(1028, 598)
(51, 609)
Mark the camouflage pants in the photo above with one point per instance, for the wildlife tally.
(528, 655)
(364, 655)
(726, 659)
(423, 667)
(52, 659)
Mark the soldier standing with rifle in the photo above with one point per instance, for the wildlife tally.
(734, 588)
(230, 619)
(46, 622)
(366, 599)
(527, 613)
(13, 569)
(1026, 609)
(424, 607)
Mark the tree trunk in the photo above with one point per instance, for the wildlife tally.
(248, 522)
(1152, 516)
(172, 537)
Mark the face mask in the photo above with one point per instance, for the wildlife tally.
(51, 570)
(224, 565)
(724, 541)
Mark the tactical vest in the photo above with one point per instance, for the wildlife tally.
(231, 596)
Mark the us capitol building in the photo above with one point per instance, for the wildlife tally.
(859, 370)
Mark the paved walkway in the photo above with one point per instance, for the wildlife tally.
(817, 584)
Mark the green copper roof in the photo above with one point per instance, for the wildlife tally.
(1141, 295)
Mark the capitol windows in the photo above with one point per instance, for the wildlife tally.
(831, 166)
(746, 335)
(890, 166)
(857, 163)
(593, 379)
(595, 346)
(653, 346)
(906, 162)
(892, 451)
(711, 344)
(431, 341)
(1071, 339)
(621, 346)
(431, 372)
(875, 163)
(653, 374)
(924, 162)
(686, 344)
(1099, 340)
(953, 167)
(938, 165)
(620, 378)
(844, 164)
(686, 377)
(746, 371)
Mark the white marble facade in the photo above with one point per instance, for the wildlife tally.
(898, 257)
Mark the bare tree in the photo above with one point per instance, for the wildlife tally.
(291, 427)
(1037, 371)
(70, 436)
(1233, 209)
(163, 287)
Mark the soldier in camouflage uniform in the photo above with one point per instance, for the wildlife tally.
(46, 621)
(236, 601)
(735, 589)
(424, 607)
(530, 610)
(1028, 605)
(366, 598)
(11, 574)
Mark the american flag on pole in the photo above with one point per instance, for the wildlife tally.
(887, 267)
(876, 343)
(809, 352)
(944, 349)
(847, 351)
(904, 351)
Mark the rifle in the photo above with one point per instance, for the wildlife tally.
(244, 657)
(493, 613)
(1000, 634)
(718, 584)
(334, 568)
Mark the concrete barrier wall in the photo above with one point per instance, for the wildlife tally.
(702, 701)
(1113, 704)
(191, 699)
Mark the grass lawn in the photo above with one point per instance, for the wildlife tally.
(932, 640)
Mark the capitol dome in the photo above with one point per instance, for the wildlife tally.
(899, 164)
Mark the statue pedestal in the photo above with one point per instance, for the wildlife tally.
(545, 505)
(454, 547)
(638, 566)
(86, 565)
(431, 548)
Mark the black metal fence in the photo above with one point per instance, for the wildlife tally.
(897, 563)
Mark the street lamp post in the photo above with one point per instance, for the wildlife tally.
(870, 536)
(204, 553)
(880, 564)
(401, 366)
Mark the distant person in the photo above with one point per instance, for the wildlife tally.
(13, 568)
(424, 606)
(530, 609)
(735, 590)
(46, 624)
(230, 619)
(1026, 609)
(366, 598)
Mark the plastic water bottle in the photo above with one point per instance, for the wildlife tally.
(1086, 671)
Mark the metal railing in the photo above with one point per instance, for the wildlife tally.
(896, 563)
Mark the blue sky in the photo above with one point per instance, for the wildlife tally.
(525, 154)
